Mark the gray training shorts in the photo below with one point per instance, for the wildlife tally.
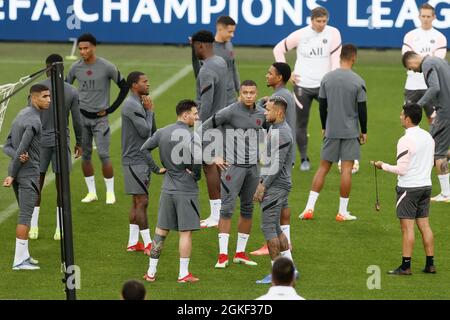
(440, 131)
(98, 130)
(413, 203)
(27, 192)
(334, 150)
(179, 212)
(48, 154)
(237, 181)
(136, 179)
(275, 199)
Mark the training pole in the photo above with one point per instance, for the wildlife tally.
(68, 263)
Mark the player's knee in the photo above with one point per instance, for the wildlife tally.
(142, 202)
(104, 158)
(269, 232)
(247, 210)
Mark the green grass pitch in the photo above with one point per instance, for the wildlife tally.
(332, 257)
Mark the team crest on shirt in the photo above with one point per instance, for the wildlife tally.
(432, 41)
(325, 41)
(228, 177)
(258, 122)
(89, 72)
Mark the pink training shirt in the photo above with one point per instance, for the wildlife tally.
(415, 159)
(317, 54)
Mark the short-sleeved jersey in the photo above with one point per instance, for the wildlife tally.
(426, 43)
(138, 124)
(317, 53)
(24, 137)
(343, 89)
(94, 83)
(212, 87)
(70, 106)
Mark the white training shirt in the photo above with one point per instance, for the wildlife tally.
(317, 54)
(426, 43)
(415, 159)
(281, 293)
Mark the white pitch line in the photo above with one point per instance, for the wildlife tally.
(9, 211)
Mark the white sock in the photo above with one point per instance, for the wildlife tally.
(134, 235)
(58, 223)
(109, 185)
(343, 204)
(287, 254)
(90, 182)
(145, 234)
(35, 217)
(215, 208)
(184, 267)
(242, 242)
(445, 184)
(152, 266)
(287, 232)
(312, 200)
(21, 253)
(223, 243)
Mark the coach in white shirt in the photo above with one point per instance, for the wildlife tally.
(425, 41)
(415, 158)
(283, 281)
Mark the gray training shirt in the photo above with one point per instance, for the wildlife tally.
(212, 87)
(24, 137)
(343, 89)
(175, 143)
(437, 77)
(138, 124)
(243, 125)
(281, 174)
(94, 83)
(71, 106)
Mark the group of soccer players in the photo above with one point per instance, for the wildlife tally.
(224, 104)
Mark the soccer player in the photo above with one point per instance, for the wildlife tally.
(94, 75)
(240, 121)
(225, 29)
(276, 182)
(437, 78)
(426, 41)
(133, 290)
(138, 124)
(277, 77)
(211, 97)
(342, 99)
(318, 49)
(48, 144)
(178, 203)
(415, 151)
(23, 147)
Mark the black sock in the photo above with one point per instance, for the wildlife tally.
(430, 261)
(406, 263)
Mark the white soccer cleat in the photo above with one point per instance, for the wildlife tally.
(57, 235)
(110, 198)
(90, 197)
(209, 222)
(441, 198)
(305, 165)
(33, 234)
(345, 217)
(28, 264)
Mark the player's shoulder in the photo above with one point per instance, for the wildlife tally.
(70, 89)
(332, 30)
(106, 63)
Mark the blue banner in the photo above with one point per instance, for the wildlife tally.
(366, 23)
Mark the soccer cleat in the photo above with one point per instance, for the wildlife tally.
(307, 214)
(188, 278)
(263, 251)
(149, 278)
(137, 247)
(429, 269)
(400, 272)
(209, 223)
(306, 165)
(57, 235)
(33, 234)
(241, 257)
(345, 217)
(222, 261)
(266, 280)
(441, 198)
(28, 264)
(148, 249)
(110, 198)
(90, 197)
